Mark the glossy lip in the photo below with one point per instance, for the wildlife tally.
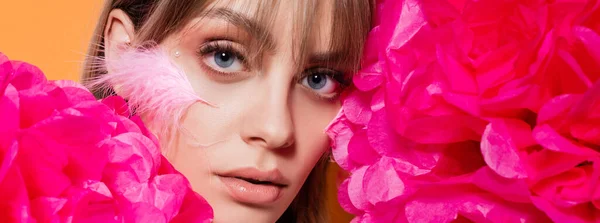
(238, 184)
(273, 176)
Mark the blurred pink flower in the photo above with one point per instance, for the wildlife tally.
(66, 157)
(474, 110)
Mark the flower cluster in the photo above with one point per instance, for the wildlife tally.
(66, 157)
(478, 110)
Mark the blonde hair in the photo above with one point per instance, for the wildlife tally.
(154, 20)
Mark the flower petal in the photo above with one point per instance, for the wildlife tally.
(9, 117)
(360, 151)
(27, 76)
(382, 182)
(500, 147)
(344, 199)
(357, 108)
(515, 190)
(577, 214)
(340, 133)
(550, 139)
(356, 189)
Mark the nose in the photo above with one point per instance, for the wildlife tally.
(269, 122)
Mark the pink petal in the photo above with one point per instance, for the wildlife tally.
(117, 104)
(9, 117)
(78, 95)
(344, 199)
(14, 206)
(572, 63)
(496, 67)
(550, 139)
(380, 134)
(554, 188)
(369, 78)
(138, 121)
(27, 76)
(125, 125)
(71, 127)
(360, 151)
(378, 100)
(91, 202)
(8, 157)
(577, 214)
(382, 182)
(357, 108)
(447, 204)
(194, 210)
(357, 189)
(6, 73)
(35, 106)
(587, 132)
(468, 103)
(42, 161)
(133, 159)
(444, 129)
(143, 212)
(590, 39)
(547, 163)
(340, 133)
(169, 192)
(515, 190)
(557, 107)
(461, 79)
(386, 142)
(403, 23)
(509, 98)
(390, 212)
(46, 208)
(500, 147)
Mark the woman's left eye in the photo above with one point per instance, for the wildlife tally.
(223, 57)
(321, 83)
(224, 61)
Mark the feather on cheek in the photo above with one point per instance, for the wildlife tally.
(154, 86)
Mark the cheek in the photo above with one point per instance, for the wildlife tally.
(199, 149)
(311, 117)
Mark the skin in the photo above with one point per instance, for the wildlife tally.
(266, 117)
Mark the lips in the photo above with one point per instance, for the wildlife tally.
(253, 186)
(259, 182)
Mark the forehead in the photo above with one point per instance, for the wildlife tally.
(303, 24)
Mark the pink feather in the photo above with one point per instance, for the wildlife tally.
(155, 88)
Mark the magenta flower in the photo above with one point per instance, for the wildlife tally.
(482, 110)
(66, 157)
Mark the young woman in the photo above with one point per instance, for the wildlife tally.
(274, 68)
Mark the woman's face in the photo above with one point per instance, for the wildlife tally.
(250, 154)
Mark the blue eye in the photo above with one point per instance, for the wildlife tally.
(321, 82)
(224, 59)
(317, 81)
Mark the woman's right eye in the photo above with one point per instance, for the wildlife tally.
(222, 58)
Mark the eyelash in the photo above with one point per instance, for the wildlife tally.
(221, 45)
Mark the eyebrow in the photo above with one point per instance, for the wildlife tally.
(255, 29)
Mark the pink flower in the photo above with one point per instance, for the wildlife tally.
(66, 157)
(442, 123)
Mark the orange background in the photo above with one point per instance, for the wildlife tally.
(54, 35)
